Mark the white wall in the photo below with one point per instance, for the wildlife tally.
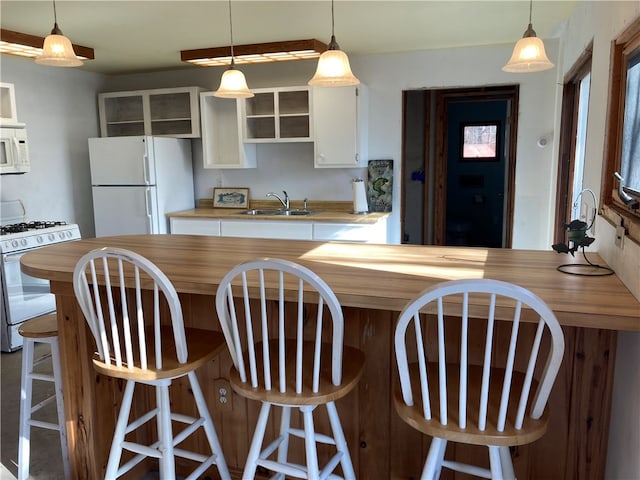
(59, 108)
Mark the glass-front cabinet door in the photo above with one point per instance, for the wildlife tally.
(170, 112)
(278, 115)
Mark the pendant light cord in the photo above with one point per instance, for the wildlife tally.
(333, 45)
(231, 34)
(332, 20)
(55, 30)
(530, 32)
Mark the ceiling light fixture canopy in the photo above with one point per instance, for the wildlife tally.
(57, 50)
(333, 66)
(528, 54)
(232, 84)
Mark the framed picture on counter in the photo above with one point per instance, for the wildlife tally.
(230, 197)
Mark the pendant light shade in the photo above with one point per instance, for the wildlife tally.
(232, 84)
(333, 68)
(528, 54)
(57, 50)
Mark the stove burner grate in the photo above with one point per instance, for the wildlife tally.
(26, 226)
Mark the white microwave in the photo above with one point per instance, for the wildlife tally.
(14, 150)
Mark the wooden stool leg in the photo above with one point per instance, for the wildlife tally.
(341, 442)
(434, 459)
(209, 428)
(62, 424)
(165, 432)
(495, 462)
(119, 433)
(313, 472)
(26, 385)
(285, 423)
(256, 444)
(507, 464)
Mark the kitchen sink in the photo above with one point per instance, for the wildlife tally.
(294, 212)
(260, 212)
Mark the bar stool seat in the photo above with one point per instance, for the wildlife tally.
(43, 329)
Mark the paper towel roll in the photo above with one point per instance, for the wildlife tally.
(359, 196)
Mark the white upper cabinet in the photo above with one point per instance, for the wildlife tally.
(222, 145)
(340, 126)
(278, 115)
(171, 112)
(334, 118)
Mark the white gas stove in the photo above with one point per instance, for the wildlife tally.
(26, 235)
(24, 297)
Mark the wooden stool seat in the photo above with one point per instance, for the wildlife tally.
(353, 366)
(40, 327)
(204, 346)
(43, 329)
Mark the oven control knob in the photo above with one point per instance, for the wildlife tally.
(23, 242)
(69, 234)
(51, 237)
(39, 239)
(61, 235)
(14, 244)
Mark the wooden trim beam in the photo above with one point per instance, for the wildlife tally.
(35, 41)
(253, 49)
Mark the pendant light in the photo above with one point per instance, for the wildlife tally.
(232, 84)
(57, 50)
(528, 54)
(333, 65)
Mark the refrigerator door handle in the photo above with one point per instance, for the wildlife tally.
(145, 169)
(147, 207)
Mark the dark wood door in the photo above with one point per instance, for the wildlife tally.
(475, 172)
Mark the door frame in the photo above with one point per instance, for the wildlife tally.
(506, 92)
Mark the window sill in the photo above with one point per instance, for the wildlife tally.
(622, 215)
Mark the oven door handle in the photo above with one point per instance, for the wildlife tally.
(8, 257)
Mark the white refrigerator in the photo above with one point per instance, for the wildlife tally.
(136, 181)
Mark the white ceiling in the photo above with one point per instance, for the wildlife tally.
(140, 36)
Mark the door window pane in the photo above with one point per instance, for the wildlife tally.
(479, 142)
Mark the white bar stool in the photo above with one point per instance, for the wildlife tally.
(43, 329)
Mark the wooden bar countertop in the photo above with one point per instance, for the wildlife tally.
(383, 277)
(373, 283)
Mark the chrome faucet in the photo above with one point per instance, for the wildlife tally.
(285, 202)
